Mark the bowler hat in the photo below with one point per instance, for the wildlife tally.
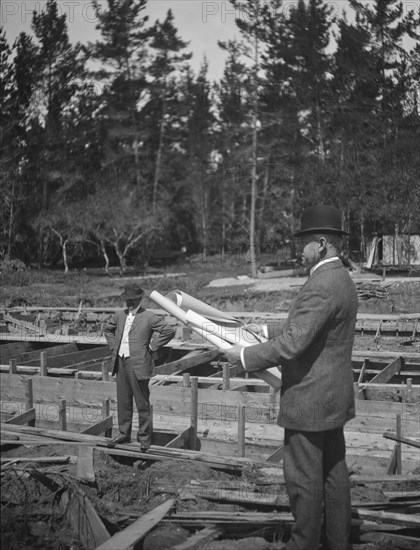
(132, 290)
(321, 219)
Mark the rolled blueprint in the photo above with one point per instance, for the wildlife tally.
(186, 302)
(179, 314)
(219, 335)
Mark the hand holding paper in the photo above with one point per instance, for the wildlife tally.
(234, 356)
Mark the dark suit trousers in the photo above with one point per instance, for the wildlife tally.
(128, 387)
(317, 480)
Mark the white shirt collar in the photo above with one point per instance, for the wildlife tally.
(322, 262)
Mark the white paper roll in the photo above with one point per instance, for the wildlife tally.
(186, 302)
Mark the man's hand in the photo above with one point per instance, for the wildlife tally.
(234, 356)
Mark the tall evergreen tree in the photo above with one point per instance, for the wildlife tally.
(169, 60)
(371, 86)
(122, 53)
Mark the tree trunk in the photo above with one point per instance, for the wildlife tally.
(63, 245)
(159, 156)
(105, 255)
(120, 254)
(362, 236)
(223, 244)
(64, 249)
(137, 160)
(11, 221)
(204, 229)
(321, 152)
(264, 196)
(252, 254)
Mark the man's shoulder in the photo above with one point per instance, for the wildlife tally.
(147, 314)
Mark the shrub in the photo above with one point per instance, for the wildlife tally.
(14, 273)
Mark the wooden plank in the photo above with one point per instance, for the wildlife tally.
(85, 469)
(24, 325)
(207, 534)
(277, 455)
(193, 359)
(99, 427)
(212, 379)
(132, 534)
(39, 459)
(38, 370)
(23, 418)
(392, 464)
(405, 520)
(405, 440)
(14, 348)
(391, 540)
(219, 462)
(240, 495)
(49, 351)
(388, 372)
(180, 441)
(69, 359)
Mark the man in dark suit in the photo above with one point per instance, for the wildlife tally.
(314, 349)
(129, 337)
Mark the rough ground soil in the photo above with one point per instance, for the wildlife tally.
(31, 517)
(231, 290)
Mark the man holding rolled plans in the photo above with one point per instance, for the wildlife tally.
(314, 349)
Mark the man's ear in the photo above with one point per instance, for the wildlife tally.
(322, 244)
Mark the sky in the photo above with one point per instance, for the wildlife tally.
(201, 22)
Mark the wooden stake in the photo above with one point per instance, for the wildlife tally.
(226, 377)
(105, 373)
(105, 414)
(43, 362)
(409, 391)
(151, 424)
(194, 412)
(29, 398)
(241, 430)
(12, 366)
(186, 381)
(398, 446)
(62, 415)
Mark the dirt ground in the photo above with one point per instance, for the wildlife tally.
(223, 284)
(31, 517)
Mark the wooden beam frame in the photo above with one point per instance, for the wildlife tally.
(99, 427)
(23, 418)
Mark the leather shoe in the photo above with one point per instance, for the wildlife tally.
(144, 444)
(119, 440)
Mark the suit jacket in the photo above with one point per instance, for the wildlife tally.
(145, 323)
(314, 349)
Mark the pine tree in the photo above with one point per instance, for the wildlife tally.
(371, 83)
(122, 53)
(167, 62)
(8, 149)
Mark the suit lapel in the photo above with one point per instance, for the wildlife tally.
(137, 320)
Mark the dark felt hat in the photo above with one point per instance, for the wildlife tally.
(131, 291)
(321, 219)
